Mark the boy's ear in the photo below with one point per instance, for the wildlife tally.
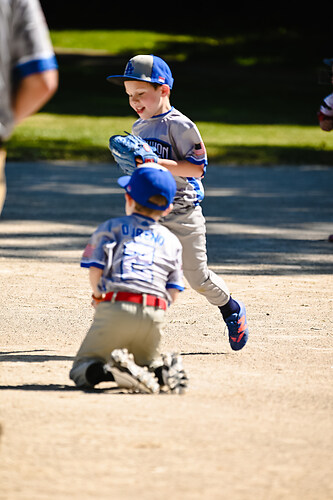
(167, 210)
(129, 198)
(165, 90)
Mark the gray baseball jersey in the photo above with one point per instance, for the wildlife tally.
(137, 255)
(176, 137)
(25, 48)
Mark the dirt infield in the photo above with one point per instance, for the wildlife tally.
(254, 425)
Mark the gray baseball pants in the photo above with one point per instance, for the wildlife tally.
(190, 228)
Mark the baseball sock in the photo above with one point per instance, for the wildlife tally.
(229, 308)
(96, 373)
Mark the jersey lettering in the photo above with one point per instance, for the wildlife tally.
(131, 231)
(137, 261)
(162, 149)
(150, 236)
(135, 232)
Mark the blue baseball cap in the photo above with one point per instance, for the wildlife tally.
(145, 68)
(150, 181)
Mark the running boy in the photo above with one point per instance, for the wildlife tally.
(135, 272)
(178, 143)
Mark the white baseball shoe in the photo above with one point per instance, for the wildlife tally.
(170, 373)
(129, 375)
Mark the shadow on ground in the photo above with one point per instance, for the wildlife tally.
(259, 219)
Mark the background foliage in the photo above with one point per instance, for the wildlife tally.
(251, 85)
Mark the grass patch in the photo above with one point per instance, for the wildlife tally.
(120, 42)
(50, 137)
(56, 137)
(251, 104)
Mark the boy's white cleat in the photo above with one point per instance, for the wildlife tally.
(129, 375)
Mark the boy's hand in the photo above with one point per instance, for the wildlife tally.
(129, 150)
(96, 300)
(325, 121)
(326, 125)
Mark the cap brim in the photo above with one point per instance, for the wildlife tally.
(116, 79)
(120, 79)
(124, 181)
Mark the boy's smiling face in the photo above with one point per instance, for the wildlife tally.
(146, 100)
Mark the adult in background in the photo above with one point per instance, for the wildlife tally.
(28, 69)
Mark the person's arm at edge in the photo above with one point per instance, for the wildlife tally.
(33, 92)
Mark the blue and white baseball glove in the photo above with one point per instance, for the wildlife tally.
(129, 150)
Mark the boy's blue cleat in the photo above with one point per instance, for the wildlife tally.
(237, 327)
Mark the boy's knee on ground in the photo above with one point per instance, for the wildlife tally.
(89, 372)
